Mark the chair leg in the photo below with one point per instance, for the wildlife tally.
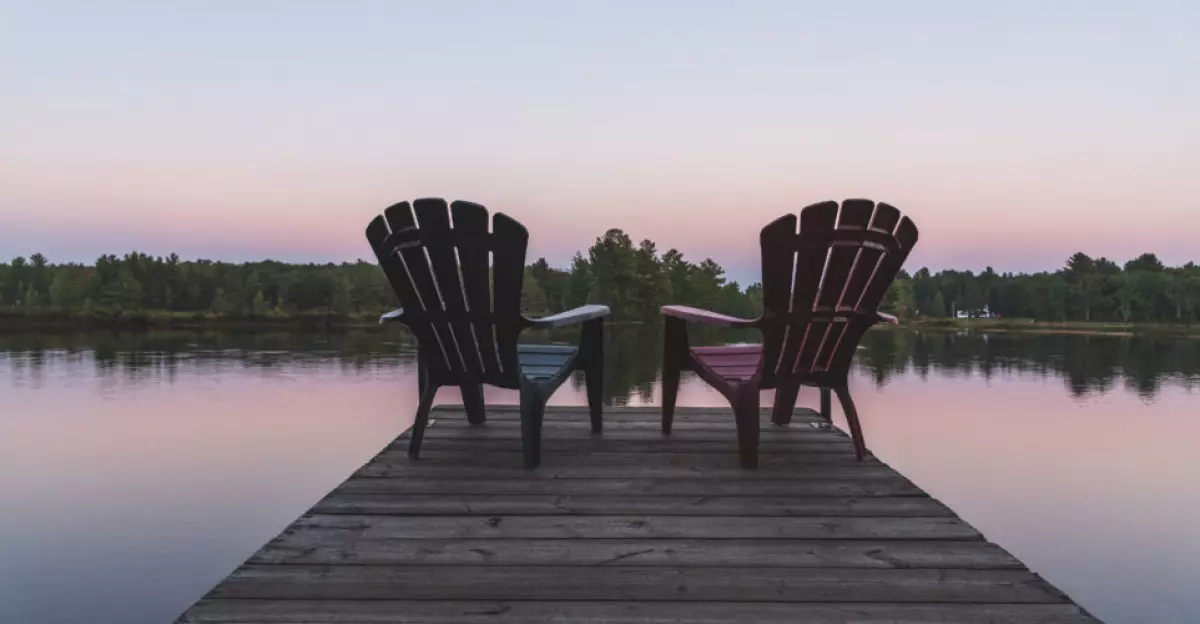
(592, 352)
(745, 413)
(785, 402)
(421, 421)
(860, 445)
(826, 407)
(675, 354)
(472, 395)
(533, 409)
(422, 372)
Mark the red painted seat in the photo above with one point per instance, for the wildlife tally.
(822, 285)
(732, 362)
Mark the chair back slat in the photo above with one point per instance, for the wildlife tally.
(841, 263)
(411, 249)
(433, 219)
(806, 264)
(906, 238)
(843, 259)
(777, 241)
(474, 256)
(378, 235)
(508, 272)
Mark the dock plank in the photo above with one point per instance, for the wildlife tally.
(627, 527)
(638, 526)
(284, 582)
(315, 546)
(893, 485)
(547, 504)
(592, 612)
(663, 468)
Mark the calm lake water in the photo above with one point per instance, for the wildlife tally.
(137, 470)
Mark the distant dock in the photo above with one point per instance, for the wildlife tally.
(629, 527)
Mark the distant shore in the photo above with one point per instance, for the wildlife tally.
(181, 320)
(162, 319)
(1019, 325)
(159, 319)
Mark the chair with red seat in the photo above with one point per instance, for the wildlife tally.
(822, 286)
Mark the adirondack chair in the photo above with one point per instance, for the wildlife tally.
(821, 288)
(436, 258)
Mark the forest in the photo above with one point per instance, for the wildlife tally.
(634, 279)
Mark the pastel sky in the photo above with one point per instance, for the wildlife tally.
(1014, 132)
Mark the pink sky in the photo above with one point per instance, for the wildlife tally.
(1014, 136)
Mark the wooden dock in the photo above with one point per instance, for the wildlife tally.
(629, 527)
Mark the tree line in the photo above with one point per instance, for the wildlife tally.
(632, 279)
(1143, 290)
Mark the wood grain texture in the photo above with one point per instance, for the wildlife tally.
(660, 445)
(606, 458)
(557, 469)
(317, 546)
(629, 414)
(592, 612)
(638, 526)
(890, 486)
(283, 582)
(551, 504)
(637, 431)
(629, 527)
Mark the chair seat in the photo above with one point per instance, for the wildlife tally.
(544, 361)
(732, 362)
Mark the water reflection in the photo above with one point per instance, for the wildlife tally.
(1089, 365)
(138, 469)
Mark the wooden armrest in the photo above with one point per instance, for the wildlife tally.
(394, 315)
(705, 317)
(887, 318)
(570, 317)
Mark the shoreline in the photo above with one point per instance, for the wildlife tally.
(1031, 326)
(158, 320)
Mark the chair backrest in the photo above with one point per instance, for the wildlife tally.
(822, 284)
(459, 285)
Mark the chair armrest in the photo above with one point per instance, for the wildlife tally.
(887, 318)
(705, 317)
(570, 317)
(394, 315)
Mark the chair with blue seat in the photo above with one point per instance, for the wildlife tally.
(459, 286)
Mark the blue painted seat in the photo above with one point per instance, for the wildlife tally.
(543, 361)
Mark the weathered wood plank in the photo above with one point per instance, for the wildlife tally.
(319, 547)
(629, 412)
(503, 431)
(622, 415)
(302, 582)
(510, 504)
(630, 527)
(643, 445)
(637, 425)
(435, 456)
(557, 612)
(633, 526)
(893, 485)
(486, 469)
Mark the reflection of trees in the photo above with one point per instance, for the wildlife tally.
(1087, 364)
(158, 354)
(632, 356)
